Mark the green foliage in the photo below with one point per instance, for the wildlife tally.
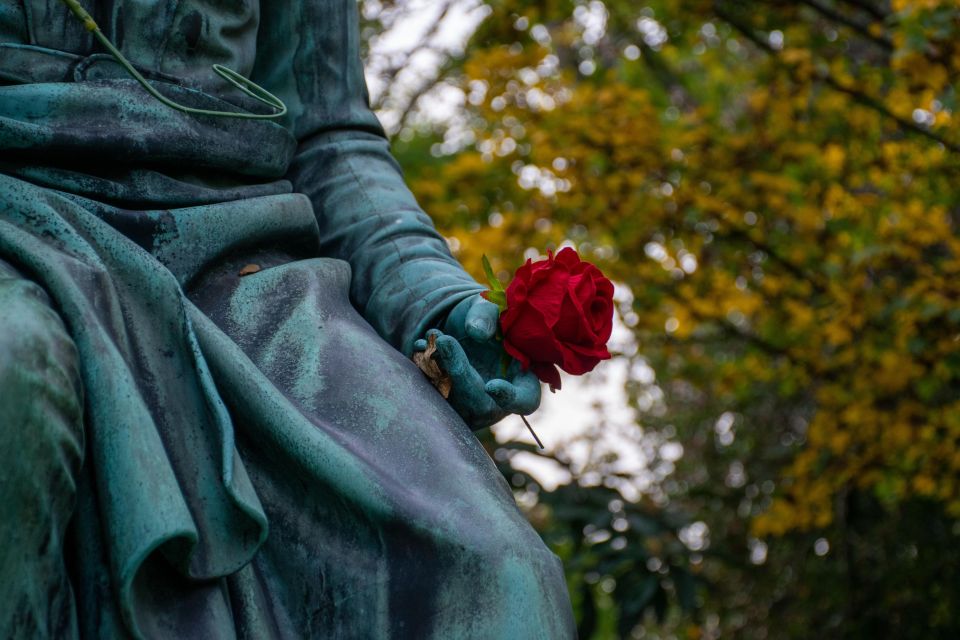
(623, 559)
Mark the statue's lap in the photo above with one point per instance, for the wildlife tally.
(440, 520)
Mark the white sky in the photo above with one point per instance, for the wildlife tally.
(407, 42)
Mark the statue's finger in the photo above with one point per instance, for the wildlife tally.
(423, 343)
(521, 396)
(528, 393)
(451, 356)
(481, 320)
(468, 390)
(502, 392)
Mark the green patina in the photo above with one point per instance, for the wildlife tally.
(187, 452)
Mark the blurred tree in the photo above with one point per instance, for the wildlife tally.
(776, 184)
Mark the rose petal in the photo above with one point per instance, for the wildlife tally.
(568, 258)
(548, 373)
(604, 286)
(517, 355)
(547, 294)
(601, 319)
(527, 333)
(516, 292)
(583, 287)
(572, 325)
(523, 271)
(515, 307)
(577, 364)
(581, 358)
(591, 351)
(542, 265)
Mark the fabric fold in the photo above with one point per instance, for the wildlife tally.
(160, 439)
(118, 122)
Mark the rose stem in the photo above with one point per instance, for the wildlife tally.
(530, 429)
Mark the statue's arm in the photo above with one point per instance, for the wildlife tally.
(404, 279)
(405, 282)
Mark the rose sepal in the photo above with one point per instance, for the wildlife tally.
(497, 294)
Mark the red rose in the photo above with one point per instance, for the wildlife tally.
(559, 312)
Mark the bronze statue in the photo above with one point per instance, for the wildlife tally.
(209, 423)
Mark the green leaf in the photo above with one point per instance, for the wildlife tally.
(492, 278)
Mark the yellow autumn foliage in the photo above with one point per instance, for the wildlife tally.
(790, 208)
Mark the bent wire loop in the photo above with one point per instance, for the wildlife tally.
(246, 85)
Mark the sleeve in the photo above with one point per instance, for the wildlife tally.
(404, 279)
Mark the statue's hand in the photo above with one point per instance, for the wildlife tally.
(487, 384)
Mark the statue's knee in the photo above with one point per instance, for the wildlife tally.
(41, 404)
(509, 548)
(41, 451)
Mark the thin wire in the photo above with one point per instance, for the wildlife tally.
(246, 85)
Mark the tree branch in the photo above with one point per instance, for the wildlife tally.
(876, 105)
(389, 75)
(666, 76)
(414, 98)
(868, 7)
(797, 272)
(831, 14)
(858, 96)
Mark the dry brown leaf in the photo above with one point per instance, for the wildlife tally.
(424, 360)
(248, 269)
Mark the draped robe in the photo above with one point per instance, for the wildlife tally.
(259, 457)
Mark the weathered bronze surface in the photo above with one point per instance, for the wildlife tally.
(191, 448)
